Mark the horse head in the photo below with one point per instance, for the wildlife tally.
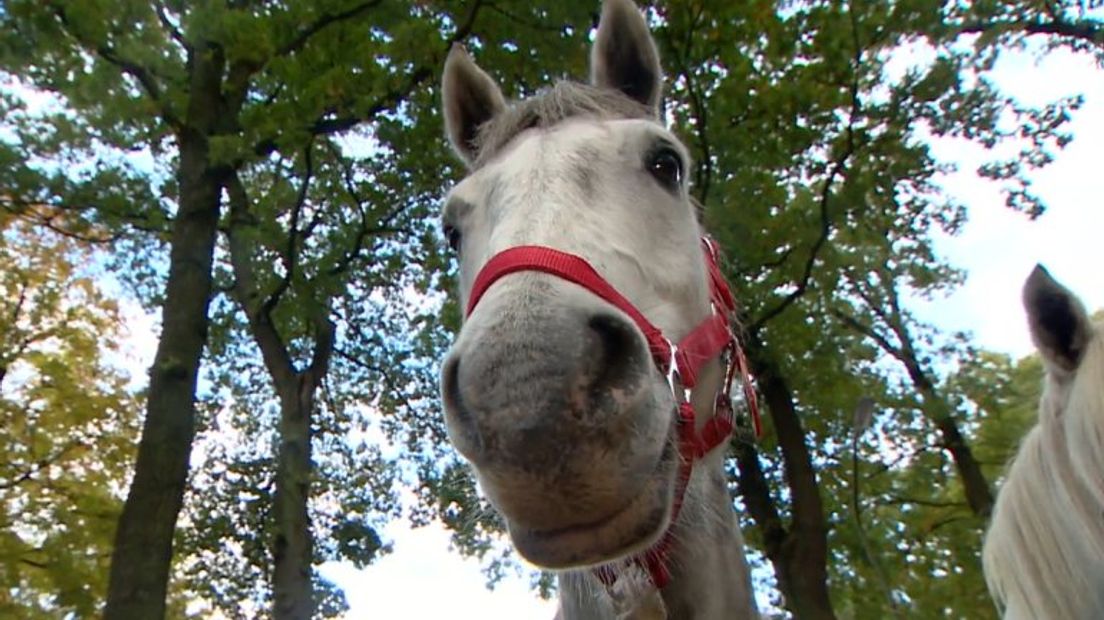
(549, 390)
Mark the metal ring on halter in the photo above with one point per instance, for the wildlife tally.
(674, 381)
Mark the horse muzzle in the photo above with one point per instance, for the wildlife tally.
(559, 407)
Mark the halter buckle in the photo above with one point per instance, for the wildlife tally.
(674, 380)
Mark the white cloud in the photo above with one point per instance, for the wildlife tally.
(999, 247)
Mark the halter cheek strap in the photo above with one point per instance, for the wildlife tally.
(681, 363)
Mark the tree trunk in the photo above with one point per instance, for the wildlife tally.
(979, 495)
(293, 547)
(802, 569)
(798, 553)
(293, 544)
(142, 556)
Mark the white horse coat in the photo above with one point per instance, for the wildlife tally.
(1044, 551)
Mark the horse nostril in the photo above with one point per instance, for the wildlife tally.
(458, 417)
(616, 336)
(450, 382)
(619, 348)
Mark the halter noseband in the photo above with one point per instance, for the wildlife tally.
(681, 363)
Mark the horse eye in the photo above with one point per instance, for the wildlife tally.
(666, 166)
(453, 237)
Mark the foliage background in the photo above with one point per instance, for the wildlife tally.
(816, 172)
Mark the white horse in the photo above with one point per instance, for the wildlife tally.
(557, 388)
(1044, 551)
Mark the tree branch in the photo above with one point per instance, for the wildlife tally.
(275, 354)
(396, 391)
(778, 262)
(141, 74)
(45, 215)
(324, 125)
(383, 224)
(935, 408)
(528, 23)
(865, 330)
(897, 500)
(303, 36)
(166, 23)
(825, 231)
(290, 255)
(323, 349)
(755, 491)
(836, 171)
(17, 308)
(34, 564)
(40, 465)
(1084, 30)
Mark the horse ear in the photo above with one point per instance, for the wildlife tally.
(1060, 326)
(470, 98)
(624, 56)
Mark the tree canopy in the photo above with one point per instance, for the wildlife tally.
(67, 425)
(267, 174)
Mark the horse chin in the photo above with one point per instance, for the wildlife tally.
(630, 529)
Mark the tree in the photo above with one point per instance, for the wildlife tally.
(187, 84)
(813, 168)
(129, 97)
(1061, 24)
(67, 426)
(256, 111)
(266, 174)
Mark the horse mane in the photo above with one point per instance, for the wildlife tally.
(1044, 552)
(562, 100)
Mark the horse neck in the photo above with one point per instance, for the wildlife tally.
(1044, 549)
(710, 577)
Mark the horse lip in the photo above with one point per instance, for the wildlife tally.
(581, 544)
(579, 527)
(597, 542)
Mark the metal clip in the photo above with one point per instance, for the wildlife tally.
(674, 381)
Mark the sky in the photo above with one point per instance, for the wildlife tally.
(422, 578)
(998, 248)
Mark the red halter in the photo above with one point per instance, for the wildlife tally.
(681, 363)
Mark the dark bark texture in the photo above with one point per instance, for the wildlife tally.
(142, 555)
(292, 544)
(798, 551)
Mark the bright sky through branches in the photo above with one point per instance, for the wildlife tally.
(998, 248)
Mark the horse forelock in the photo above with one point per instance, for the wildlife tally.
(559, 102)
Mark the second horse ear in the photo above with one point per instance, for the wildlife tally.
(624, 56)
(1060, 326)
(470, 98)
